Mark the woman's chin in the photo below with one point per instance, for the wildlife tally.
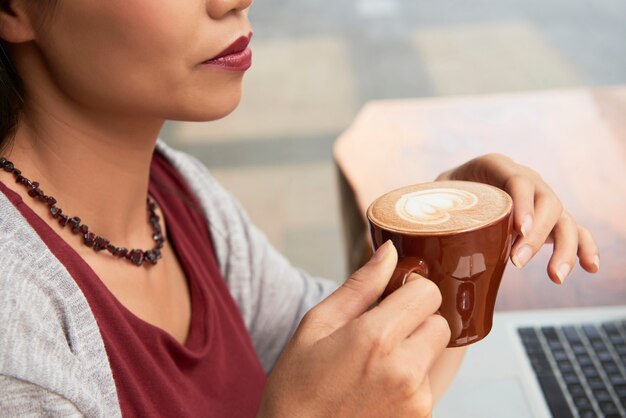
(206, 112)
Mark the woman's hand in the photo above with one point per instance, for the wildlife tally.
(539, 216)
(347, 361)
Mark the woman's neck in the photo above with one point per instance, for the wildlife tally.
(97, 169)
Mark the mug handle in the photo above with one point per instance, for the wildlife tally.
(404, 268)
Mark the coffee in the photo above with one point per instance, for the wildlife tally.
(440, 207)
(457, 234)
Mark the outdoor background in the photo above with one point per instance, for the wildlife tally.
(315, 63)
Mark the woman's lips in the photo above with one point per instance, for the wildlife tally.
(237, 61)
(236, 57)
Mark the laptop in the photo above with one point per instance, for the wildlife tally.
(544, 363)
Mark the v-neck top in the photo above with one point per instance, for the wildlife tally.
(216, 372)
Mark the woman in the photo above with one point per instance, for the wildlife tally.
(105, 314)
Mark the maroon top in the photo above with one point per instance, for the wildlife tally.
(216, 373)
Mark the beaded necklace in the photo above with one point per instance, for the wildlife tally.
(98, 243)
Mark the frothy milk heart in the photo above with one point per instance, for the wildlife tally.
(440, 207)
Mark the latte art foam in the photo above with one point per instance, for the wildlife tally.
(434, 206)
(440, 207)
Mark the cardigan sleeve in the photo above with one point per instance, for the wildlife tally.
(19, 398)
(272, 294)
(52, 358)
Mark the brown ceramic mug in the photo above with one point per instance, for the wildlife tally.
(457, 234)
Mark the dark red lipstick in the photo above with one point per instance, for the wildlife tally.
(236, 57)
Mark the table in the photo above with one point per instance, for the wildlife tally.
(575, 138)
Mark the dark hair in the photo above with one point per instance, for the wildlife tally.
(10, 99)
(11, 89)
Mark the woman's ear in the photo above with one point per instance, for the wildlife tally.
(16, 21)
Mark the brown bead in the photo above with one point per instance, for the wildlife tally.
(51, 201)
(17, 172)
(121, 252)
(63, 220)
(89, 239)
(84, 228)
(54, 211)
(136, 257)
(151, 256)
(75, 224)
(100, 244)
(8, 166)
(32, 192)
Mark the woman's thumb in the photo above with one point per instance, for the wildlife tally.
(359, 291)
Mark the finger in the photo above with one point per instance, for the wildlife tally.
(563, 258)
(588, 253)
(446, 175)
(548, 210)
(425, 345)
(400, 313)
(420, 403)
(357, 293)
(425, 402)
(494, 169)
(522, 191)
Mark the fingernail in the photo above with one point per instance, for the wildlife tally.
(381, 252)
(596, 262)
(527, 223)
(522, 256)
(562, 272)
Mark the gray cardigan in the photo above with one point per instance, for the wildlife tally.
(52, 357)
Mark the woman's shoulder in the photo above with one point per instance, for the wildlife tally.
(32, 326)
(34, 297)
(29, 270)
(49, 338)
(37, 332)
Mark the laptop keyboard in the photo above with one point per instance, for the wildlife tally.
(581, 369)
